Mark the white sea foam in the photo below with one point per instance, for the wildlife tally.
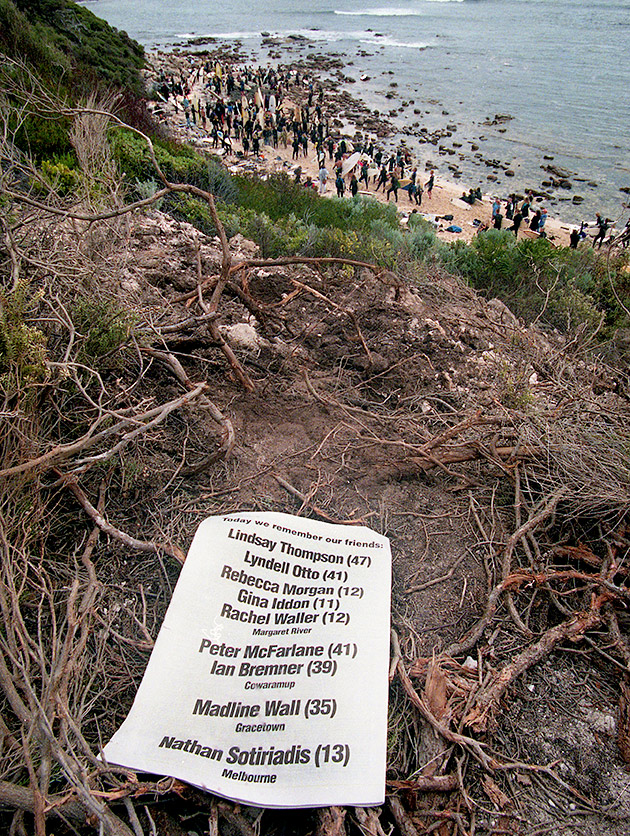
(380, 13)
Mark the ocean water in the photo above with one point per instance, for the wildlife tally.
(559, 68)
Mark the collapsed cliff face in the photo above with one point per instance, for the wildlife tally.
(408, 403)
(492, 455)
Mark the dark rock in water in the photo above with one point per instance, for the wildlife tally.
(624, 189)
(547, 157)
(577, 199)
(499, 119)
(592, 184)
(474, 147)
(560, 173)
(417, 111)
(492, 177)
(546, 183)
(445, 113)
(509, 172)
(451, 127)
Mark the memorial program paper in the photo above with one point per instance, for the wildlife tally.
(268, 681)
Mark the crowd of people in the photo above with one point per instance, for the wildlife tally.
(257, 107)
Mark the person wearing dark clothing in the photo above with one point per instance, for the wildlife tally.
(341, 186)
(516, 222)
(393, 187)
(535, 221)
(525, 209)
(602, 224)
(498, 220)
(430, 184)
(382, 179)
(363, 175)
(354, 185)
(574, 238)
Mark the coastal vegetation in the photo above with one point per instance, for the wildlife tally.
(376, 379)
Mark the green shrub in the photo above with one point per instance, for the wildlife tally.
(22, 346)
(104, 325)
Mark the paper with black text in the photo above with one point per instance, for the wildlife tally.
(268, 680)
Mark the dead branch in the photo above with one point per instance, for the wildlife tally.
(330, 821)
(205, 403)
(468, 743)
(314, 508)
(131, 542)
(487, 700)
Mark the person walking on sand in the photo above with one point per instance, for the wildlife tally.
(393, 186)
(363, 176)
(341, 186)
(382, 179)
(430, 184)
(354, 185)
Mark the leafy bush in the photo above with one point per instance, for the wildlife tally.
(105, 325)
(22, 346)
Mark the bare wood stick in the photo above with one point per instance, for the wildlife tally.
(369, 822)
(305, 500)
(423, 783)
(473, 746)
(330, 821)
(139, 545)
(405, 825)
(427, 584)
(487, 699)
(229, 438)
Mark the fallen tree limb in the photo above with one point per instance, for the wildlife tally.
(138, 545)
(487, 699)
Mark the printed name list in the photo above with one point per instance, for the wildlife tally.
(268, 680)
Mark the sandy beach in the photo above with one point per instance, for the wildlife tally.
(444, 208)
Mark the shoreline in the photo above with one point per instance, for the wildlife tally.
(352, 120)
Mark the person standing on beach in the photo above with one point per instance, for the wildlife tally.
(516, 222)
(430, 184)
(393, 186)
(323, 178)
(602, 228)
(541, 224)
(363, 175)
(525, 208)
(382, 179)
(354, 185)
(535, 221)
(341, 186)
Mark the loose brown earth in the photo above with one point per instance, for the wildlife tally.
(355, 371)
